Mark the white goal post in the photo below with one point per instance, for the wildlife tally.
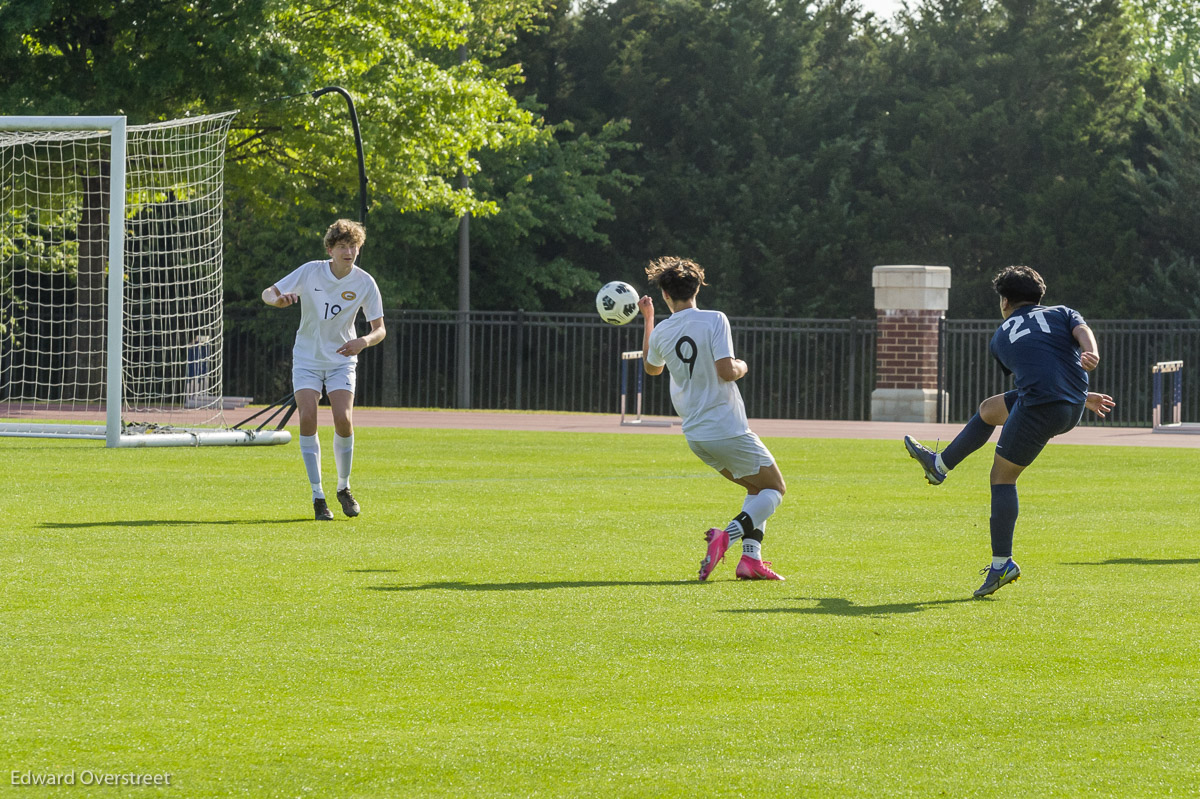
(111, 306)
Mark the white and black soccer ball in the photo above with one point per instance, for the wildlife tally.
(617, 302)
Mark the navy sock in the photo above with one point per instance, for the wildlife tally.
(1004, 519)
(973, 436)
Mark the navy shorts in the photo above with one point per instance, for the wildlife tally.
(1030, 427)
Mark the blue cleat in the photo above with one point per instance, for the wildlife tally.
(996, 579)
(928, 460)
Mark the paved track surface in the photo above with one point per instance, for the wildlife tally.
(610, 423)
(766, 428)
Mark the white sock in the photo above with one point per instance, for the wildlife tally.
(751, 549)
(998, 563)
(310, 451)
(760, 506)
(343, 456)
(941, 464)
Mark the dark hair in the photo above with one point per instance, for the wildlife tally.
(1019, 284)
(680, 278)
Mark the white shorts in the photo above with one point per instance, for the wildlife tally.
(335, 378)
(742, 455)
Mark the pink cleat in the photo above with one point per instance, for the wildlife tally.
(751, 569)
(718, 542)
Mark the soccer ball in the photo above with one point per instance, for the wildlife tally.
(617, 302)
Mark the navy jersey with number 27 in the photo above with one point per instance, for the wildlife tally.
(1035, 345)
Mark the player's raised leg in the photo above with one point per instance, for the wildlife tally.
(765, 492)
(993, 411)
(935, 471)
(717, 541)
(755, 469)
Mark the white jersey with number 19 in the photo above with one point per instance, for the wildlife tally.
(328, 307)
(689, 343)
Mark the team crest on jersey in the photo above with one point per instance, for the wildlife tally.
(348, 295)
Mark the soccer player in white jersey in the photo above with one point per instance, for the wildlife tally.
(696, 347)
(330, 293)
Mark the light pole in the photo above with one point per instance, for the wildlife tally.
(463, 350)
(391, 377)
(362, 164)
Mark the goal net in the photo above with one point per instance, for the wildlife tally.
(111, 281)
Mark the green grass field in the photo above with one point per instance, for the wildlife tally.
(516, 614)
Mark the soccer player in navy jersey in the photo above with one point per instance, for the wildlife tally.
(1049, 350)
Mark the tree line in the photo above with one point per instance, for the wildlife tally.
(787, 146)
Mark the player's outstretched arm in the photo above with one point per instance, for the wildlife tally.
(646, 306)
(271, 296)
(356, 345)
(1099, 404)
(1089, 356)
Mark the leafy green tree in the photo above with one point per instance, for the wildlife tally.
(422, 110)
(425, 111)
(550, 195)
(434, 95)
(143, 58)
(1167, 35)
(1004, 144)
(748, 135)
(1165, 180)
(790, 147)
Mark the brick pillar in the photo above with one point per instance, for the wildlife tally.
(909, 303)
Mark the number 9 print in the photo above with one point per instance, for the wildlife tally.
(688, 357)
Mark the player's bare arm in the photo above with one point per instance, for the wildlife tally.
(271, 296)
(731, 369)
(646, 306)
(1099, 404)
(356, 345)
(1089, 358)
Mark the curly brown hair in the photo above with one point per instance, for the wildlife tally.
(1019, 284)
(345, 231)
(680, 278)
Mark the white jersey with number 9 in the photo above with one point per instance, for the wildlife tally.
(689, 343)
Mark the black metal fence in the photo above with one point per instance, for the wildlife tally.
(799, 368)
(1128, 350)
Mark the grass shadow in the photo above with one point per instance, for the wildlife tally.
(1138, 562)
(546, 586)
(834, 606)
